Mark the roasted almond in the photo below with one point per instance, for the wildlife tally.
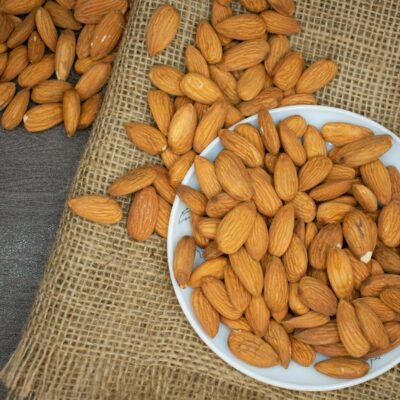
(162, 109)
(208, 42)
(343, 367)
(71, 110)
(17, 62)
(252, 135)
(266, 99)
(288, 70)
(292, 145)
(164, 212)
(206, 176)
(281, 230)
(332, 211)
(284, 7)
(183, 260)
(313, 172)
(278, 338)
(391, 297)
(199, 88)
(388, 258)
(61, 16)
(295, 259)
(376, 283)
(268, 132)
(389, 224)
(297, 99)
(179, 169)
(239, 296)
(302, 353)
(196, 201)
(316, 76)
(93, 80)
(167, 79)
(242, 27)
(214, 267)
(22, 32)
(46, 28)
(340, 273)
(341, 133)
(89, 110)
(146, 137)
(205, 313)
(236, 324)
(84, 40)
(279, 46)
(36, 47)
(257, 242)
(251, 82)
(295, 304)
(310, 319)
(257, 315)
(7, 91)
(330, 190)
(50, 91)
(365, 197)
(42, 117)
(226, 82)
(13, 114)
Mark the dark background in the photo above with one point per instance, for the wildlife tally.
(35, 172)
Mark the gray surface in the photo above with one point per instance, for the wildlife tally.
(35, 171)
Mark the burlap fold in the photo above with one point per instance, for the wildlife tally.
(106, 323)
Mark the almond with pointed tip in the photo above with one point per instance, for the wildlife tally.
(313, 172)
(332, 350)
(251, 82)
(377, 178)
(162, 109)
(330, 212)
(394, 180)
(162, 28)
(391, 297)
(205, 313)
(220, 204)
(383, 312)
(302, 353)
(236, 324)
(279, 46)
(164, 212)
(242, 27)
(184, 255)
(281, 230)
(295, 304)
(295, 259)
(71, 110)
(280, 24)
(257, 242)
(96, 208)
(91, 11)
(239, 296)
(206, 176)
(89, 110)
(252, 135)
(278, 338)
(196, 201)
(330, 190)
(268, 132)
(214, 267)
(266, 99)
(257, 315)
(254, 5)
(46, 28)
(316, 76)
(322, 335)
(388, 259)
(226, 82)
(43, 117)
(208, 42)
(167, 79)
(365, 197)
(341, 133)
(50, 91)
(13, 114)
(343, 367)
(376, 283)
(285, 178)
(62, 17)
(36, 47)
(310, 319)
(389, 224)
(284, 7)
(304, 207)
(340, 273)
(22, 32)
(84, 40)
(179, 169)
(288, 70)
(292, 145)
(16, 64)
(146, 137)
(93, 80)
(195, 61)
(7, 91)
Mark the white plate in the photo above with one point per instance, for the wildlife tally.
(295, 377)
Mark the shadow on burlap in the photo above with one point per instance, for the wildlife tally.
(106, 323)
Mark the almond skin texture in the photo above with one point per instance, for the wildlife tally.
(239, 296)
(257, 242)
(280, 24)
(288, 70)
(391, 297)
(279, 46)
(17, 62)
(331, 190)
(162, 109)
(285, 178)
(350, 331)
(316, 76)
(36, 47)
(257, 315)
(164, 212)
(278, 338)
(226, 82)
(89, 110)
(236, 324)
(313, 172)
(91, 11)
(295, 259)
(376, 283)
(341, 133)
(71, 110)
(304, 207)
(252, 135)
(146, 138)
(317, 296)
(8, 90)
(196, 201)
(365, 197)
(35, 73)
(242, 27)
(251, 82)
(268, 132)
(215, 267)
(143, 214)
(313, 143)
(377, 178)
(292, 145)
(162, 185)
(195, 61)
(205, 313)
(332, 350)
(206, 176)
(42, 117)
(185, 252)
(343, 367)
(65, 54)
(252, 349)
(389, 224)
(302, 353)
(179, 169)
(220, 204)
(388, 259)
(208, 42)
(62, 17)
(199, 88)
(13, 114)
(281, 230)
(95, 208)
(46, 28)
(310, 319)
(332, 211)
(340, 273)
(395, 182)
(295, 304)
(322, 335)
(167, 79)
(84, 40)
(93, 80)
(162, 28)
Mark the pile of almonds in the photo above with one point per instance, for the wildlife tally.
(299, 255)
(40, 39)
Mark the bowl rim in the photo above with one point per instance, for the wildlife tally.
(178, 291)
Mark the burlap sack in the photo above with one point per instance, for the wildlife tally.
(106, 323)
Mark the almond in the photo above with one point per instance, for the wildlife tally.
(13, 114)
(205, 173)
(317, 296)
(322, 335)
(208, 42)
(241, 147)
(36, 47)
(146, 137)
(278, 338)
(374, 267)
(285, 178)
(350, 331)
(360, 234)
(42, 117)
(371, 326)
(195, 61)
(219, 12)
(215, 292)
(252, 135)
(292, 145)
(251, 82)
(62, 17)
(169, 158)
(341, 133)
(391, 297)
(22, 32)
(18, 7)
(267, 99)
(164, 212)
(316, 76)
(268, 132)
(280, 24)
(297, 124)
(377, 178)
(376, 283)
(96, 208)
(46, 28)
(281, 230)
(310, 319)
(257, 315)
(196, 201)
(254, 5)
(393, 330)
(332, 211)
(161, 184)
(226, 82)
(343, 367)
(184, 255)
(340, 273)
(314, 143)
(248, 271)
(257, 242)
(295, 259)
(288, 70)
(388, 258)
(389, 224)
(89, 110)
(395, 182)
(211, 251)
(84, 40)
(199, 88)
(7, 26)
(205, 313)
(233, 176)
(304, 207)
(242, 27)
(162, 109)
(296, 99)
(284, 7)
(302, 353)
(179, 169)
(162, 28)
(235, 228)
(365, 197)
(7, 91)
(91, 11)
(233, 116)
(332, 350)
(17, 62)
(311, 232)
(214, 267)
(252, 349)
(50, 91)
(220, 204)
(167, 79)
(363, 151)
(314, 171)
(360, 270)
(295, 304)
(93, 80)
(236, 324)
(71, 109)
(244, 55)
(379, 352)
(331, 190)
(276, 289)
(238, 295)
(279, 46)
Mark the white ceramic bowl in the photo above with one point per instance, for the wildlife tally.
(295, 377)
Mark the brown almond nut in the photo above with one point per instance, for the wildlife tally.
(341, 133)
(96, 208)
(220, 204)
(317, 296)
(341, 172)
(257, 315)
(7, 91)
(311, 232)
(163, 187)
(388, 259)
(278, 338)
(316, 76)
(216, 294)
(162, 109)
(164, 212)
(296, 99)
(36, 47)
(238, 295)
(146, 137)
(295, 304)
(343, 367)
(184, 255)
(162, 28)
(297, 124)
(360, 270)
(304, 207)
(330, 190)
(22, 32)
(281, 230)
(311, 319)
(195, 61)
(295, 259)
(319, 274)
(84, 40)
(199, 88)
(242, 27)
(91, 11)
(332, 350)
(292, 145)
(211, 251)
(285, 178)
(236, 324)
(46, 28)
(244, 55)
(248, 271)
(93, 80)
(167, 79)
(37, 72)
(371, 326)
(17, 62)
(363, 151)
(200, 240)
(214, 267)
(314, 171)
(254, 5)
(374, 267)
(233, 176)
(340, 273)
(322, 335)
(267, 99)
(43, 117)
(379, 352)
(394, 179)
(3, 62)
(208, 42)
(279, 45)
(62, 17)
(241, 147)
(71, 110)
(257, 242)
(276, 289)
(350, 331)
(65, 54)
(268, 132)
(196, 201)
(13, 114)
(393, 330)
(391, 297)
(302, 353)
(288, 70)
(389, 224)
(143, 214)
(251, 82)
(280, 24)
(252, 349)
(332, 211)
(219, 12)
(377, 178)
(50, 91)
(252, 135)
(89, 110)
(206, 176)
(205, 313)
(365, 197)
(376, 283)
(7, 26)
(226, 82)
(284, 7)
